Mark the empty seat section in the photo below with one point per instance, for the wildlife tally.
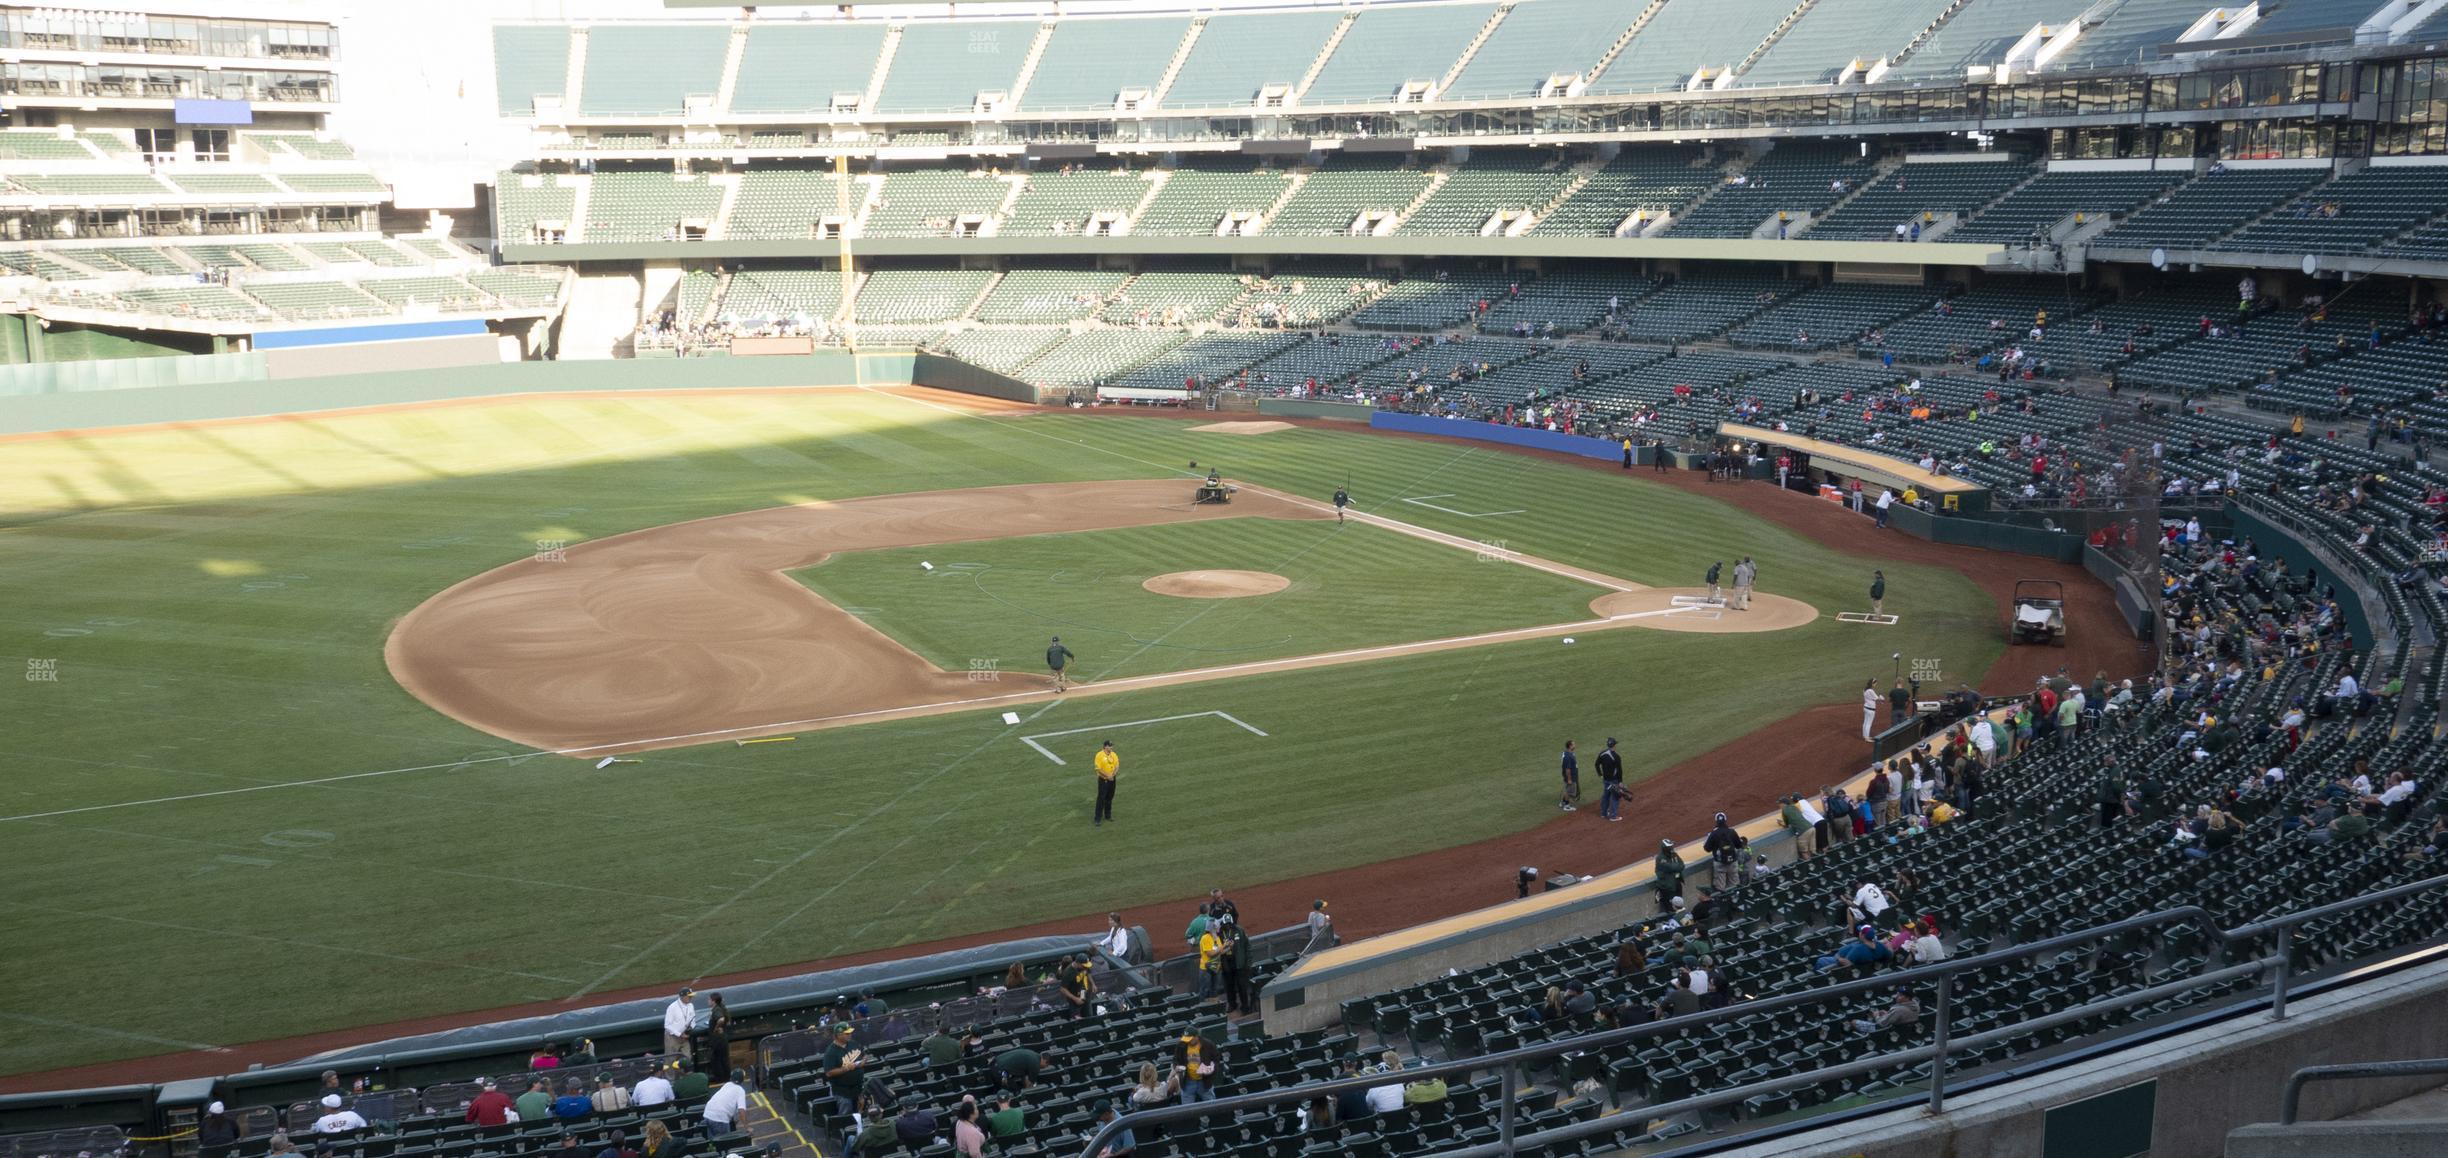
(933, 203)
(42, 145)
(1686, 36)
(943, 66)
(785, 204)
(1174, 299)
(1088, 64)
(1793, 179)
(1698, 306)
(1431, 303)
(1645, 180)
(529, 61)
(1060, 204)
(649, 206)
(1833, 35)
(914, 295)
(1919, 195)
(651, 70)
(1198, 196)
(1386, 48)
(1096, 356)
(1541, 39)
(522, 201)
(2196, 213)
(317, 300)
(801, 68)
(2061, 196)
(1979, 33)
(2350, 215)
(1493, 188)
(1238, 55)
(1830, 316)
(1048, 295)
(1347, 194)
(773, 295)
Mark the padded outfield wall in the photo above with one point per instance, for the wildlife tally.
(137, 397)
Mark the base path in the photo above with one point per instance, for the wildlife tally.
(696, 633)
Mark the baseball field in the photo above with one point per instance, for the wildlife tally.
(313, 709)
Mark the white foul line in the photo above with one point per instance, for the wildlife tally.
(1031, 741)
(1422, 501)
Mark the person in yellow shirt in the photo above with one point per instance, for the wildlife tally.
(1108, 766)
(1211, 967)
(1912, 495)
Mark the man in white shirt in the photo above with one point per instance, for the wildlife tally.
(336, 1120)
(1870, 899)
(723, 1109)
(2347, 690)
(678, 1018)
(1984, 740)
(1870, 706)
(652, 1090)
(1886, 499)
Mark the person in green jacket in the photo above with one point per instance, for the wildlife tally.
(1795, 826)
(1669, 876)
(535, 1105)
(1878, 593)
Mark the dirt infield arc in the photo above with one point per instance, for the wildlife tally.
(694, 632)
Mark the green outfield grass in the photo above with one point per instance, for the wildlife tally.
(226, 823)
(1353, 585)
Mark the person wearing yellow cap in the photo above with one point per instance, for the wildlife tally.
(1108, 767)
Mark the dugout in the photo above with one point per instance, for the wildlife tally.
(1819, 458)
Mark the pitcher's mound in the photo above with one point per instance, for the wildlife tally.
(1217, 584)
(1241, 428)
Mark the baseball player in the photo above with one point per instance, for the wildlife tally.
(1744, 573)
(1056, 656)
(1342, 499)
(1571, 769)
(1870, 706)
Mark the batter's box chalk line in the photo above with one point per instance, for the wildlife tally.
(1865, 617)
(1048, 753)
(1696, 601)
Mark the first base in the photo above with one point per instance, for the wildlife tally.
(927, 565)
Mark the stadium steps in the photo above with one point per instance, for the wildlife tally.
(721, 225)
(732, 52)
(1582, 173)
(1880, 170)
(1436, 180)
(1624, 41)
(1774, 34)
(1922, 37)
(1181, 52)
(2308, 193)
(863, 201)
(883, 68)
(1003, 211)
(1155, 185)
(1334, 40)
(1939, 230)
(1028, 68)
(1300, 177)
(573, 80)
(585, 185)
(714, 301)
(1486, 29)
(969, 312)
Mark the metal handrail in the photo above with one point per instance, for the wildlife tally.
(2423, 1067)
(2278, 964)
